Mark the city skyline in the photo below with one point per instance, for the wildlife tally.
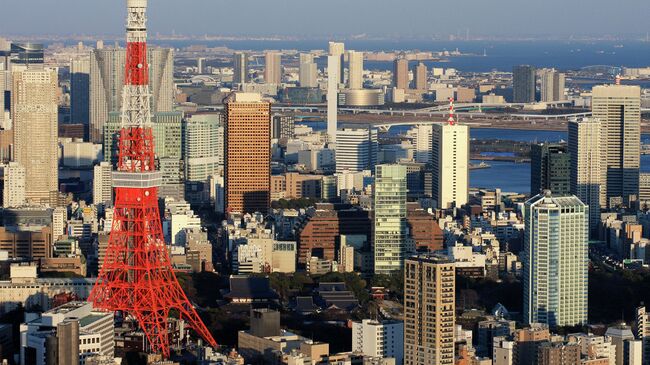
(209, 17)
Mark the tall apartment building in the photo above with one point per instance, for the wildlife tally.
(335, 77)
(618, 109)
(355, 70)
(421, 82)
(308, 71)
(585, 175)
(240, 68)
(107, 81)
(338, 49)
(523, 84)
(13, 188)
(550, 168)
(450, 165)
(34, 109)
(103, 183)
(555, 260)
(429, 311)
(527, 343)
(381, 339)
(553, 84)
(80, 93)
(401, 74)
(273, 68)
(390, 233)
(202, 152)
(641, 331)
(356, 149)
(247, 153)
(422, 135)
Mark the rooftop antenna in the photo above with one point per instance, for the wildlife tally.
(452, 119)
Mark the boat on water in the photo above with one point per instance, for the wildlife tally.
(478, 166)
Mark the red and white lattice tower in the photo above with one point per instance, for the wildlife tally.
(452, 119)
(137, 278)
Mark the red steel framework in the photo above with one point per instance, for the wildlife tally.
(137, 278)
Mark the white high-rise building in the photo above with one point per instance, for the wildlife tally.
(390, 233)
(642, 332)
(382, 339)
(618, 108)
(356, 149)
(107, 81)
(203, 146)
(13, 193)
(355, 70)
(553, 84)
(34, 107)
(308, 71)
(334, 75)
(555, 258)
(103, 183)
(450, 165)
(422, 135)
(59, 221)
(273, 68)
(586, 177)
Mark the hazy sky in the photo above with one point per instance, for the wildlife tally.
(328, 17)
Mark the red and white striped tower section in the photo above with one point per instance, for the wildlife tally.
(452, 119)
(136, 278)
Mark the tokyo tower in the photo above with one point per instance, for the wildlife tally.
(137, 278)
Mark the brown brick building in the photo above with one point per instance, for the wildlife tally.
(247, 153)
(423, 229)
(319, 234)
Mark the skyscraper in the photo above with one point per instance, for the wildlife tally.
(308, 71)
(80, 93)
(203, 153)
(401, 73)
(338, 49)
(429, 310)
(248, 153)
(355, 70)
(555, 260)
(618, 109)
(200, 65)
(553, 84)
(422, 134)
(523, 84)
(34, 109)
(450, 165)
(390, 241)
(421, 82)
(107, 79)
(586, 177)
(273, 68)
(356, 149)
(334, 78)
(550, 168)
(240, 68)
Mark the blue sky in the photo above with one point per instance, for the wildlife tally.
(320, 18)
